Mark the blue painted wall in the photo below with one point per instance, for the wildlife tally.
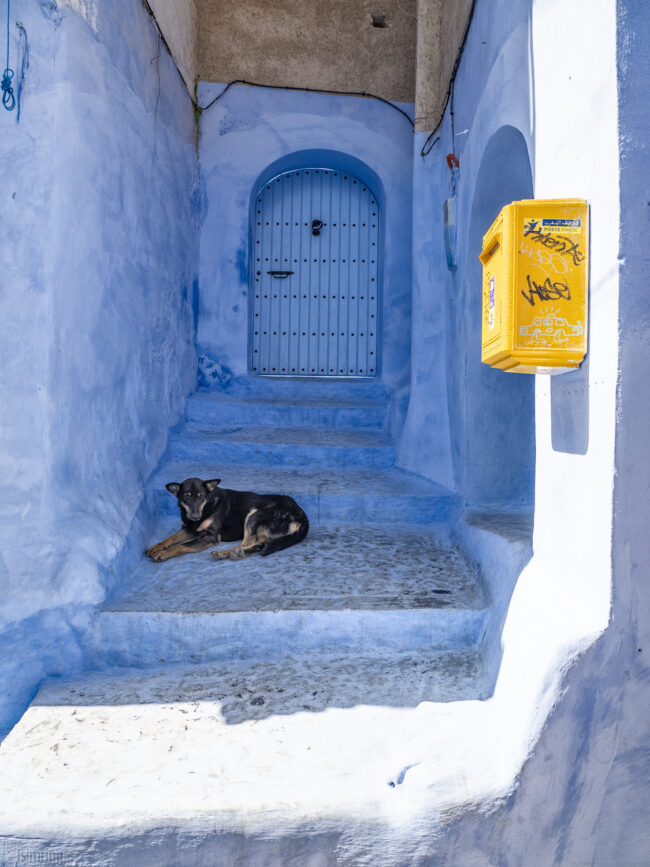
(584, 796)
(253, 133)
(97, 261)
(100, 218)
(468, 426)
(549, 80)
(498, 408)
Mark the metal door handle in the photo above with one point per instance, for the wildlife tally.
(316, 226)
(280, 274)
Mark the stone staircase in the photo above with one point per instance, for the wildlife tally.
(202, 711)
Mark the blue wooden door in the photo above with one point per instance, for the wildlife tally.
(315, 286)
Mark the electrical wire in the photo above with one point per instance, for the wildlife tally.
(431, 140)
(428, 145)
(24, 64)
(306, 90)
(199, 109)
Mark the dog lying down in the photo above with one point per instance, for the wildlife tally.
(264, 522)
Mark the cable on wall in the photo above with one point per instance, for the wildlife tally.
(307, 90)
(8, 98)
(199, 109)
(24, 64)
(432, 138)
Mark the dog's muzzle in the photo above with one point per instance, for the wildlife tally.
(193, 513)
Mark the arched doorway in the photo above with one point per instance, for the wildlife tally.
(315, 268)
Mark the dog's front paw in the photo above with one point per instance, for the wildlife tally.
(220, 555)
(153, 550)
(238, 554)
(160, 555)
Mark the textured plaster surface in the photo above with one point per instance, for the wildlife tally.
(97, 353)
(254, 690)
(370, 495)
(428, 50)
(584, 796)
(225, 409)
(243, 136)
(291, 448)
(294, 747)
(198, 749)
(300, 480)
(350, 585)
(440, 28)
(216, 382)
(302, 43)
(493, 408)
(364, 568)
(455, 767)
(179, 22)
(582, 793)
(470, 427)
(504, 84)
(298, 436)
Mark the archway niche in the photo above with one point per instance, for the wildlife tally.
(499, 407)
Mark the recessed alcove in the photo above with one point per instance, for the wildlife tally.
(499, 407)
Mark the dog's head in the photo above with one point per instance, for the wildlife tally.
(193, 496)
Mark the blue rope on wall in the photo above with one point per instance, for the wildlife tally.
(24, 64)
(8, 98)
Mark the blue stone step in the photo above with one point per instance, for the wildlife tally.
(223, 409)
(347, 496)
(283, 388)
(355, 590)
(288, 447)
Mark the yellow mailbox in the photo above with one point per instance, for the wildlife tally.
(535, 285)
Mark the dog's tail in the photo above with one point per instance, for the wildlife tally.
(283, 542)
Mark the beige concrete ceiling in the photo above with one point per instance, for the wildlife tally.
(321, 44)
(328, 44)
(177, 21)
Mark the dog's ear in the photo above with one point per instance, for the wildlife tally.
(212, 484)
(173, 487)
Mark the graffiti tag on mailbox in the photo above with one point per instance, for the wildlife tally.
(558, 243)
(545, 291)
(550, 329)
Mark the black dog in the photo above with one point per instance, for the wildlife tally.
(264, 522)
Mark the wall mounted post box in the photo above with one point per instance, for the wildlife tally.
(535, 285)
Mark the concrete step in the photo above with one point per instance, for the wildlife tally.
(355, 496)
(346, 589)
(283, 388)
(287, 447)
(272, 763)
(223, 409)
